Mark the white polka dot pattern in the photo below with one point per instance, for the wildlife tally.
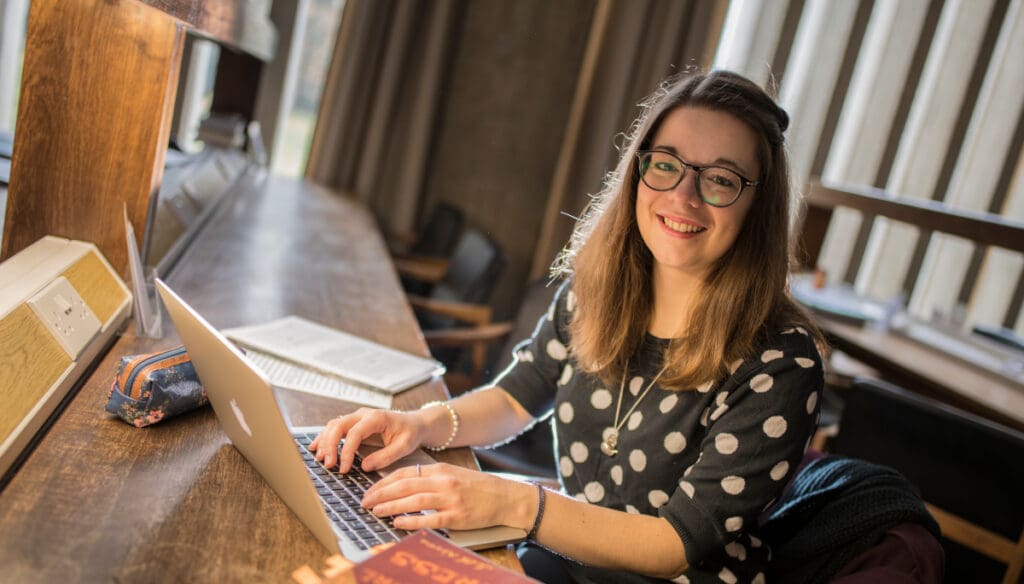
(579, 452)
(616, 473)
(774, 427)
(736, 550)
(526, 356)
(733, 485)
(607, 432)
(566, 375)
(675, 442)
(634, 420)
(726, 443)
(812, 401)
(566, 412)
(635, 385)
(668, 403)
(687, 487)
(570, 301)
(719, 411)
(638, 460)
(601, 399)
(779, 471)
(565, 466)
(556, 350)
(657, 498)
(750, 425)
(758, 578)
(761, 383)
(754, 541)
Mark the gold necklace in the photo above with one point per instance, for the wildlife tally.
(609, 444)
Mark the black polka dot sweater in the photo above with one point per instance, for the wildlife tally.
(708, 460)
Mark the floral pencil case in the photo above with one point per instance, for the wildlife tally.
(150, 388)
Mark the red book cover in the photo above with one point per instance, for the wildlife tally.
(428, 557)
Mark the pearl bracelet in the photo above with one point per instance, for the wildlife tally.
(455, 425)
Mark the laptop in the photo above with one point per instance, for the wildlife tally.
(326, 501)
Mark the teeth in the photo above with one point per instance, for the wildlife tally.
(681, 227)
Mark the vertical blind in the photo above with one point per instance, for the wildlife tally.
(921, 98)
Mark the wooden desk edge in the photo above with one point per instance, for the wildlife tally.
(936, 374)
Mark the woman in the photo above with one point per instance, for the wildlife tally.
(683, 379)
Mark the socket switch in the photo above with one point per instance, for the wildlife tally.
(66, 316)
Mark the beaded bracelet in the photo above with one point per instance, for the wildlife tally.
(455, 425)
(532, 535)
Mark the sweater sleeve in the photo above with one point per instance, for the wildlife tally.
(758, 427)
(540, 361)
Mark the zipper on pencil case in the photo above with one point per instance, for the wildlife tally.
(139, 367)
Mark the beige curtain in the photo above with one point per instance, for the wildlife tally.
(417, 82)
(633, 45)
(386, 51)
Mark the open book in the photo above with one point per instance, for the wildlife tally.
(336, 353)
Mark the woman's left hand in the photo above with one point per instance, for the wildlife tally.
(462, 498)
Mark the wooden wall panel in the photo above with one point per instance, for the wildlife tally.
(27, 370)
(96, 286)
(82, 151)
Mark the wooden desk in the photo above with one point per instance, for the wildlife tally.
(930, 371)
(99, 500)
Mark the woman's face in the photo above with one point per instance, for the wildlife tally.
(684, 233)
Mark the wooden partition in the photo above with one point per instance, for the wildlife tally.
(94, 116)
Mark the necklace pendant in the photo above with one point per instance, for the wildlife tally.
(608, 444)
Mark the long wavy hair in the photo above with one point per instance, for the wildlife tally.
(745, 296)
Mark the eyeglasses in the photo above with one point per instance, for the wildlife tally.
(716, 186)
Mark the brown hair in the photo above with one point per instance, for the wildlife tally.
(746, 295)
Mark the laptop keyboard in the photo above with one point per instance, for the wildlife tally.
(341, 494)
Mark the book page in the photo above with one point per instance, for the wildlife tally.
(290, 376)
(337, 353)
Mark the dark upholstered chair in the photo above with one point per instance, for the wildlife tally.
(457, 299)
(970, 472)
(532, 452)
(436, 238)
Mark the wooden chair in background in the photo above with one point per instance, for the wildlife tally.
(453, 311)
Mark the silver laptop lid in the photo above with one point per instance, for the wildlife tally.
(244, 402)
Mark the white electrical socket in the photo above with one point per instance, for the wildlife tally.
(66, 316)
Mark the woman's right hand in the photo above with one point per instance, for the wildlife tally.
(401, 432)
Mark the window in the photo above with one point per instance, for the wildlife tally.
(316, 32)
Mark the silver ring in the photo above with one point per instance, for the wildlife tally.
(419, 472)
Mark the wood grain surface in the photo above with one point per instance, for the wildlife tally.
(27, 368)
(99, 500)
(243, 24)
(96, 285)
(929, 371)
(99, 79)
